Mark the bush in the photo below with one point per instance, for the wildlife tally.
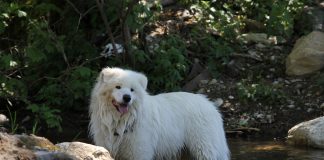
(260, 92)
(49, 50)
(228, 17)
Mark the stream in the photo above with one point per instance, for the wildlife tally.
(244, 149)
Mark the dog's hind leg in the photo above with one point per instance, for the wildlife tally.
(208, 143)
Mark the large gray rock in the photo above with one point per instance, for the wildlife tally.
(309, 133)
(82, 151)
(307, 55)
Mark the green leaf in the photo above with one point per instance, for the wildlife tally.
(83, 71)
(5, 61)
(33, 107)
(35, 54)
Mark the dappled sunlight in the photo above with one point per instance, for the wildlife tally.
(269, 147)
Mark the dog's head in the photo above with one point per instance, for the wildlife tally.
(121, 89)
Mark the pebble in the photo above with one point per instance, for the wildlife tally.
(231, 97)
(218, 101)
(260, 46)
(310, 110)
(275, 82)
(270, 118)
(272, 69)
(291, 106)
(204, 82)
(277, 48)
(258, 115)
(213, 81)
(227, 104)
(287, 81)
(3, 119)
(296, 80)
(322, 105)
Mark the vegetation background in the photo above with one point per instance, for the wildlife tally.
(51, 51)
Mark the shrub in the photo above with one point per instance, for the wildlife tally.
(260, 92)
(49, 50)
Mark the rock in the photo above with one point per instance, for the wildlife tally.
(201, 91)
(322, 106)
(291, 106)
(254, 38)
(12, 148)
(307, 55)
(83, 151)
(33, 142)
(310, 110)
(253, 25)
(260, 46)
(212, 82)
(195, 82)
(204, 82)
(277, 40)
(31, 147)
(218, 102)
(309, 133)
(3, 119)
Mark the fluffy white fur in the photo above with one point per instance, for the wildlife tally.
(153, 127)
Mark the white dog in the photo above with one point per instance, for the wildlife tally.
(134, 125)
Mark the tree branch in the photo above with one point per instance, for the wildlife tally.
(104, 18)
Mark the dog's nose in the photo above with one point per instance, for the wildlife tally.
(126, 98)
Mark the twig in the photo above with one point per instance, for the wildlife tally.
(104, 18)
(73, 6)
(67, 71)
(60, 48)
(81, 15)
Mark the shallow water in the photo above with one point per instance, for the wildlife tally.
(270, 150)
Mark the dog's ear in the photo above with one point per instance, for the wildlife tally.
(105, 74)
(143, 80)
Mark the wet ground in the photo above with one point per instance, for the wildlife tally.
(243, 149)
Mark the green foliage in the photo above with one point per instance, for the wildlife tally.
(50, 116)
(228, 17)
(216, 51)
(260, 92)
(49, 50)
(41, 68)
(168, 64)
(13, 121)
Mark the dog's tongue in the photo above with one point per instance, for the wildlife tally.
(123, 109)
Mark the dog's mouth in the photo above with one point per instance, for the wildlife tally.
(121, 107)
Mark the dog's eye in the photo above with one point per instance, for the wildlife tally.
(118, 87)
(132, 90)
